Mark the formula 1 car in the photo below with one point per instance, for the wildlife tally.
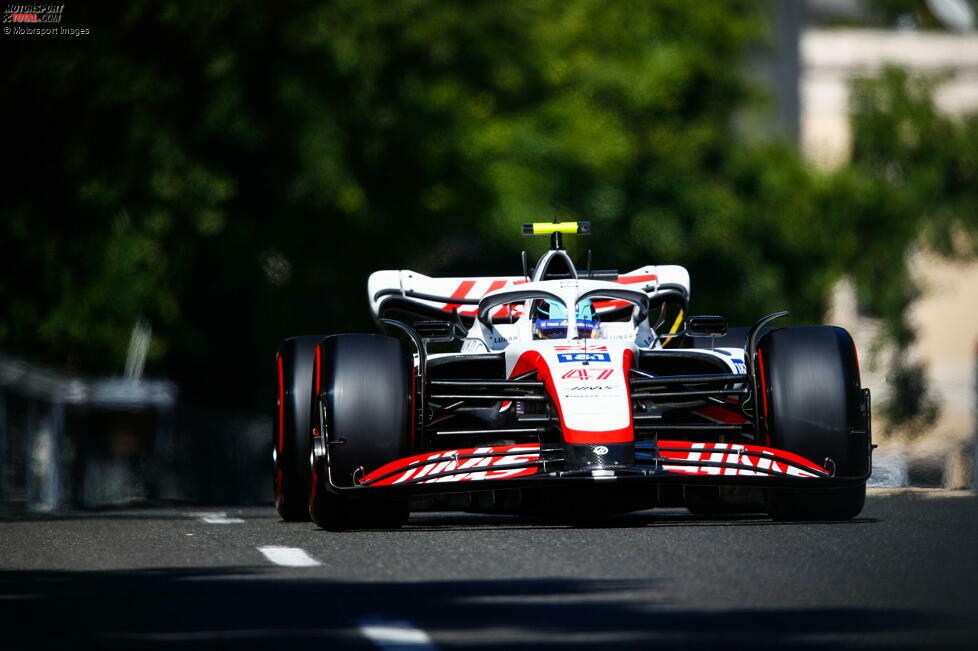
(566, 391)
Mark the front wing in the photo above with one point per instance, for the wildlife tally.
(525, 465)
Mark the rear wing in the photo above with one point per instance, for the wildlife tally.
(436, 298)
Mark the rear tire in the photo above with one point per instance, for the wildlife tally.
(290, 426)
(815, 409)
(363, 409)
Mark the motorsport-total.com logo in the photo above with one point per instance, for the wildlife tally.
(33, 20)
(33, 13)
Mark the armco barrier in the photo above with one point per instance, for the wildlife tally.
(71, 441)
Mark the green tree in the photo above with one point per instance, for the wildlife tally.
(912, 184)
(233, 171)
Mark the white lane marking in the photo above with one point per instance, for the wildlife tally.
(214, 517)
(395, 634)
(289, 556)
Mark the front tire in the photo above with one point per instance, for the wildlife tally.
(290, 426)
(363, 411)
(815, 408)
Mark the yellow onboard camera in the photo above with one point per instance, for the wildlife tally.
(549, 228)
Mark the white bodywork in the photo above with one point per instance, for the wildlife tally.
(587, 377)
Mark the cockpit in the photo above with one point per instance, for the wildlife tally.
(550, 319)
(539, 311)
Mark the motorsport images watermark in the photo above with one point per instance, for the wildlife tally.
(33, 20)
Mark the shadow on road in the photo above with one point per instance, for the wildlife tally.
(449, 521)
(252, 608)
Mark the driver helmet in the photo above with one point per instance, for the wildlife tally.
(550, 320)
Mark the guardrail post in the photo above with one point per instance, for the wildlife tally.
(4, 455)
(34, 456)
(52, 479)
(44, 432)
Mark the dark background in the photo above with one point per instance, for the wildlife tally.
(231, 172)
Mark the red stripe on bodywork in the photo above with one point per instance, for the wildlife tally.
(414, 412)
(316, 384)
(610, 305)
(720, 414)
(501, 311)
(461, 291)
(490, 463)
(764, 408)
(631, 280)
(757, 456)
(496, 284)
(474, 460)
(532, 360)
(760, 364)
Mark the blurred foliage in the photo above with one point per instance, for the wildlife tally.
(233, 171)
(919, 172)
(912, 184)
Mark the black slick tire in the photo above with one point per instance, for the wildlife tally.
(291, 428)
(363, 409)
(814, 408)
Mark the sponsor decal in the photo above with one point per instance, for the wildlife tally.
(567, 358)
(591, 387)
(551, 324)
(480, 467)
(739, 366)
(751, 456)
(601, 450)
(588, 374)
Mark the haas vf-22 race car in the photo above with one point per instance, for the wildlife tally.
(563, 392)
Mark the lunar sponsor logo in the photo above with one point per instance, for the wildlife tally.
(588, 374)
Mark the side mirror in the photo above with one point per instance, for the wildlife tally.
(706, 326)
(435, 330)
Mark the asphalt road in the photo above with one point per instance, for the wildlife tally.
(904, 575)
